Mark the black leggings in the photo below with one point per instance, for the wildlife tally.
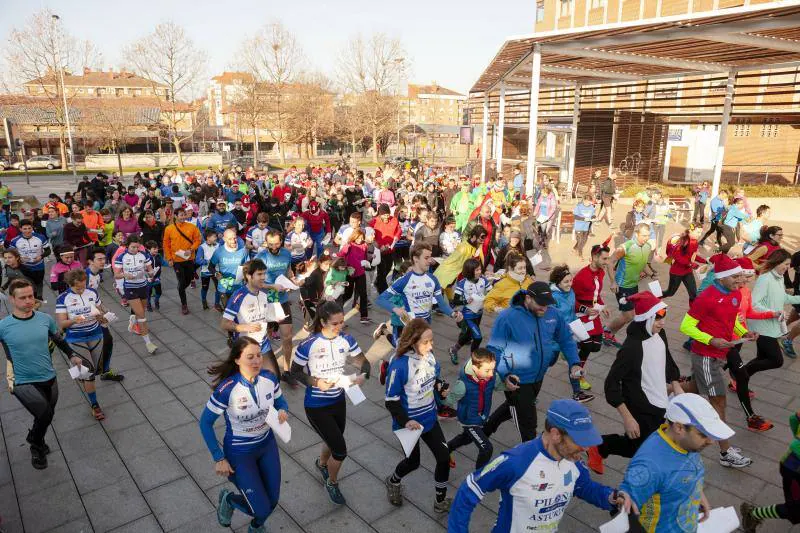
(470, 332)
(768, 355)
(37, 279)
(521, 406)
(184, 272)
(473, 434)
(329, 422)
(738, 371)
(715, 228)
(622, 445)
(729, 234)
(384, 267)
(357, 288)
(434, 439)
(40, 400)
(675, 281)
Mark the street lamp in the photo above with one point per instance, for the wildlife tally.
(56, 19)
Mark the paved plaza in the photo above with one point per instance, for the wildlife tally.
(146, 469)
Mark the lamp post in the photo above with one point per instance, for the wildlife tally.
(56, 19)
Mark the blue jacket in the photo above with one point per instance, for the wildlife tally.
(717, 207)
(469, 407)
(220, 223)
(526, 344)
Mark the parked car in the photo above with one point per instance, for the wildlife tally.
(40, 161)
(4, 164)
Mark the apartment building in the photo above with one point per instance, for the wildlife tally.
(96, 83)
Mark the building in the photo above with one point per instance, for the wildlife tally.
(96, 83)
(429, 117)
(655, 106)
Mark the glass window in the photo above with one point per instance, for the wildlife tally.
(539, 10)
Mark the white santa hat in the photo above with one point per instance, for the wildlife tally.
(724, 266)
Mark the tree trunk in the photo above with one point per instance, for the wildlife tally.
(374, 142)
(282, 150)
(176, 142)
(62, 145)
(314, 144)
(119, 158)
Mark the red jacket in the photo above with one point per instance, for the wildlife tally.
(716, 312)
(317, 222)
(588, 285)
(386, 233)
(682, 261)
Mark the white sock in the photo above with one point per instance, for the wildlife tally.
(146, 338)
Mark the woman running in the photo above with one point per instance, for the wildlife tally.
(319, 363)
(682, 254)
(244, 392)
(412, 377)
(133, 266)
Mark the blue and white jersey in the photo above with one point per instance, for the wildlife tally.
(93, 280)
(244, 307)
(220, 223)
(476, 292)
(411, 379)
(227, 263)
(324, 358)
(74, 304)
(203, 256)
(535, 490)
(297, 244)
(256, 237)
(419, 292)
(277, 265)
(245, 406)
(134, 265)
(344, 234)
(30, 249)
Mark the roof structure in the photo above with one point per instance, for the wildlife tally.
(38, 111)
(97, 78)
(415, 91)
(744, 38)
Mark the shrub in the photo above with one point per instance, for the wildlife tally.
(685, 191)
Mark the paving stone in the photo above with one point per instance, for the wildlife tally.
(82, 442)
(161, 360)
(29, 480)
(404, 519)
(185, 439)
(177, 376)
(155, 468)
(115, 505)
(193, 393)
(136, 440)
(138, 377)
(82, 525)
(177, 503)
(95, 470)
(153, 394)
(168, 415)
(146, 524)
(304, 498)
(366, 495)
(46, 509)
(341, 520)
(201, 467)
(121, 416)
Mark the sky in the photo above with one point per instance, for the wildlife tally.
(447, 41)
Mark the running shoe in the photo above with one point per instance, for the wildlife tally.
(442, 506)
(124, 303)
(453, 351)
(380, 330)
(38, 457)
(734, 459)
(757, 423)
(585, 385)
(322, 470)
(446, 413)
(732, 388)
(394, 492)
(260, 529)
(452, 461)
(131, 323)
(98, 413)
(289, 379)
(749, 522)
(111, 375)
(205, 305)
(219, 308)
(44, 446)
(365, 321)
(224, 509)
(610, 340)
(334, 493)
(184, 309)
(151, 348)
(595, 462)
(788, 348)
(582, 397)
(383, 371)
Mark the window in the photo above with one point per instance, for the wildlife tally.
(540, 11)
(742, 128)
(769, 128)
(119, 92)
(565, 8)
(598, 3)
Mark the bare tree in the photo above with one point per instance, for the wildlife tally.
(114, 125)
(171, 61)
(373, 69)
(311, 112)
(38, 53)
(249, 103)
(274, 58)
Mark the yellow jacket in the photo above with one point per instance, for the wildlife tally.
(500, 295)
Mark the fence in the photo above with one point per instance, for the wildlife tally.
(761, 174)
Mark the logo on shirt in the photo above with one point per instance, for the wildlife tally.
(543, 486)
(568, 478)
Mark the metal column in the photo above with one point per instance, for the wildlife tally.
(501, 122)
(484, 147)
(573, 140)
(533, 119)
(723, 132)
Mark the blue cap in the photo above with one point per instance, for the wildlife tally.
(574, 418)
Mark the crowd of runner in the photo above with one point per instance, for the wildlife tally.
(429, 245)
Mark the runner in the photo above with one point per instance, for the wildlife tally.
(257, 235)
(132, 267)
(471, 292)
(536, 501)
(181, 241)
(319, 364)
(226, 263)
(202, 258)
(514, 280)
(244, 393)
(94, 276)
(25, 335)
(32, 248)
(412, 378)
(681, 252)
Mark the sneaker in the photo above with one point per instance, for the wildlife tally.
(446, 412)
(260, 529)
(442, 506)
(98, 413)
(749, 522)
(610, 340)
(380, 330)
(383, 371)
(788, 348)
(151, 348)
(758, 423)
(394, 492)
(453, 351)
(322, 470)
(582, 397)
(124, 303)
(219, 308)
(334, 493)
(184, 309)
(205, 305)
(111, 375)
(157, 305)
(585, 385)
(38, 457)
(365, 321)
(132, 323)
(734, 459)
(452, 461)
(224, 509)
(44, 446)
(289, 379)
(732, 388)
(595, 462)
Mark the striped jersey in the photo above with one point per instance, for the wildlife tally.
(324, 358)
(30, 249)
(74, 304)
(244, 307)
(134, 265)
(419, 293)
(410, 380)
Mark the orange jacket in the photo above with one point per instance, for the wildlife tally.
(174, 241)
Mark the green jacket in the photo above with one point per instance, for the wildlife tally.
(769, 294)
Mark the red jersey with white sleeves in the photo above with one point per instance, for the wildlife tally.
(588, 286)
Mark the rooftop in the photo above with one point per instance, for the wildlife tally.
(96, 78)
(416, 90)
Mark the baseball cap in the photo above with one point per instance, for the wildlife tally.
(541, 293)
(694, 410)
(574, 418)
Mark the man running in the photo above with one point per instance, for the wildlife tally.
(181, 241)
(94, 276)
(33, 248)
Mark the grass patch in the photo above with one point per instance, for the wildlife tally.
(685, 191)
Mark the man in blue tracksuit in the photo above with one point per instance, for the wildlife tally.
(222, 219)
(523, 339)
(537, 479)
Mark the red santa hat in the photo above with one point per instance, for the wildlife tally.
(645, 305)
(724, 266)
(747, 265)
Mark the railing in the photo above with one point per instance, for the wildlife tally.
(752, 174)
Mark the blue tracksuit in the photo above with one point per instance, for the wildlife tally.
(220, 223)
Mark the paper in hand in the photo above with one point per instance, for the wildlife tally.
(282, 430)
(285, 283)
(720, 520)
(618, 525)
(80, 372)
(408, 439)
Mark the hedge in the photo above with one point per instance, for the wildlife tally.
(684, 191)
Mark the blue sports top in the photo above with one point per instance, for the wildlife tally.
(135, 265)
(227, 262)
(277, 265)
(244, 307)
(419, 292)
(74, 304)
(31, 248)
(25, 341)
(411, 379)
(324, 358)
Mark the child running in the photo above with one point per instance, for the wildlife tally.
(470, 291)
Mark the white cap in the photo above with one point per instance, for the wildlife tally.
(694, 410)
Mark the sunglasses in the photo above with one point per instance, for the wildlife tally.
(661, 313)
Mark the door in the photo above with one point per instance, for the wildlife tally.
(678, 156)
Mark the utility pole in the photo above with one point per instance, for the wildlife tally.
(56, 20)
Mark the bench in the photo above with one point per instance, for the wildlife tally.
(565, 224)
(681, 206)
